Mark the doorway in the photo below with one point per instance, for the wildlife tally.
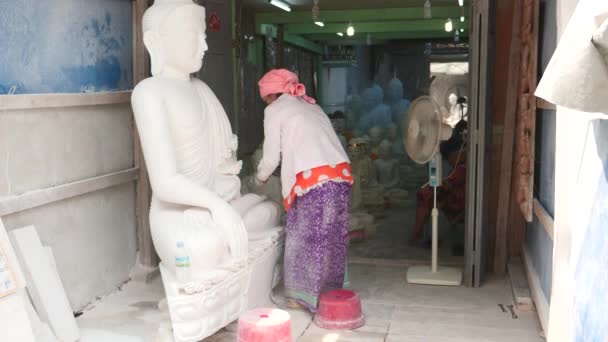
(395, 55)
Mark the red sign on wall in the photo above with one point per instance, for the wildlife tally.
(213, 22)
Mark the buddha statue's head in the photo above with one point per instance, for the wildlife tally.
(395, 90)
(174, 35)
(375, 135)
(372, 97)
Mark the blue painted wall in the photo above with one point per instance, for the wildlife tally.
(539, 243)
(65, 46)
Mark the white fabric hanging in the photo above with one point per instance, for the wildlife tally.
(577, 75)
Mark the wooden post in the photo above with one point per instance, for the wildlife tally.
(508, 137)
(141, 70)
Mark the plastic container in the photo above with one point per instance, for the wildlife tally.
(339, 310)
(265, 325)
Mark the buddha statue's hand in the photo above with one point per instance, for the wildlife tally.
(234, 228)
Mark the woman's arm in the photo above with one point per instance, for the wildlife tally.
(272, 144)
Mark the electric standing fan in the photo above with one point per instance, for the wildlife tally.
(423, 131)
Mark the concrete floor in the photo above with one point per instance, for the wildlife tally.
(395, 311)
(391, 241)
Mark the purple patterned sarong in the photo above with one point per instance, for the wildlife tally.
(317, 243)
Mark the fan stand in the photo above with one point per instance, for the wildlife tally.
(434, 275)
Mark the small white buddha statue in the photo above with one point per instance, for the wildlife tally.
(399, 105)
(387, 170)
(190, 153)
(393, 136)
(386, 167)
(362, 164)
(359, 218)
(376, 135)
(375, 112)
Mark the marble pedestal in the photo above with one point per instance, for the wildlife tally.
(199, 315)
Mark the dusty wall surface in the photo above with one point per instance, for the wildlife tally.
(92, 236)
(71, 46)
(65, 46)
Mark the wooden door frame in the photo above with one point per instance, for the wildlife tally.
(479, 128)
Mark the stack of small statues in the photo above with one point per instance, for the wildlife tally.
(385, 177)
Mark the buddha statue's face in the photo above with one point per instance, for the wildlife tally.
(176, 39)
(375, 135)
(395, 90)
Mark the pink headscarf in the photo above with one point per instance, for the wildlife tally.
(283, 81)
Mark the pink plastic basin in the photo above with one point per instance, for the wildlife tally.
(339, 310)
(265, 325)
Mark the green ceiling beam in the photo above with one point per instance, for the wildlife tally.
(385, 36)
(425, 25)
(361, 15)
(292, 39)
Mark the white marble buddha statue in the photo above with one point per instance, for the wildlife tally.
(361, 166)
(375, 112)
(189, 151)
(393, 136)
(399, 105)
(388, 172)
(386, 167)
(376, 135)
(370, 192)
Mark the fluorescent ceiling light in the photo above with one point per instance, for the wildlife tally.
(350, 31)
(280, 4)
(461, 30)
(319, 23)
(462, 19)
(448, 26)
(460, 3)
(340, 34)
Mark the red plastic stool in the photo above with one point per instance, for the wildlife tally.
(264, 325)
(339, 310)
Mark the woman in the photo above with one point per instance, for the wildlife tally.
(316, 184)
